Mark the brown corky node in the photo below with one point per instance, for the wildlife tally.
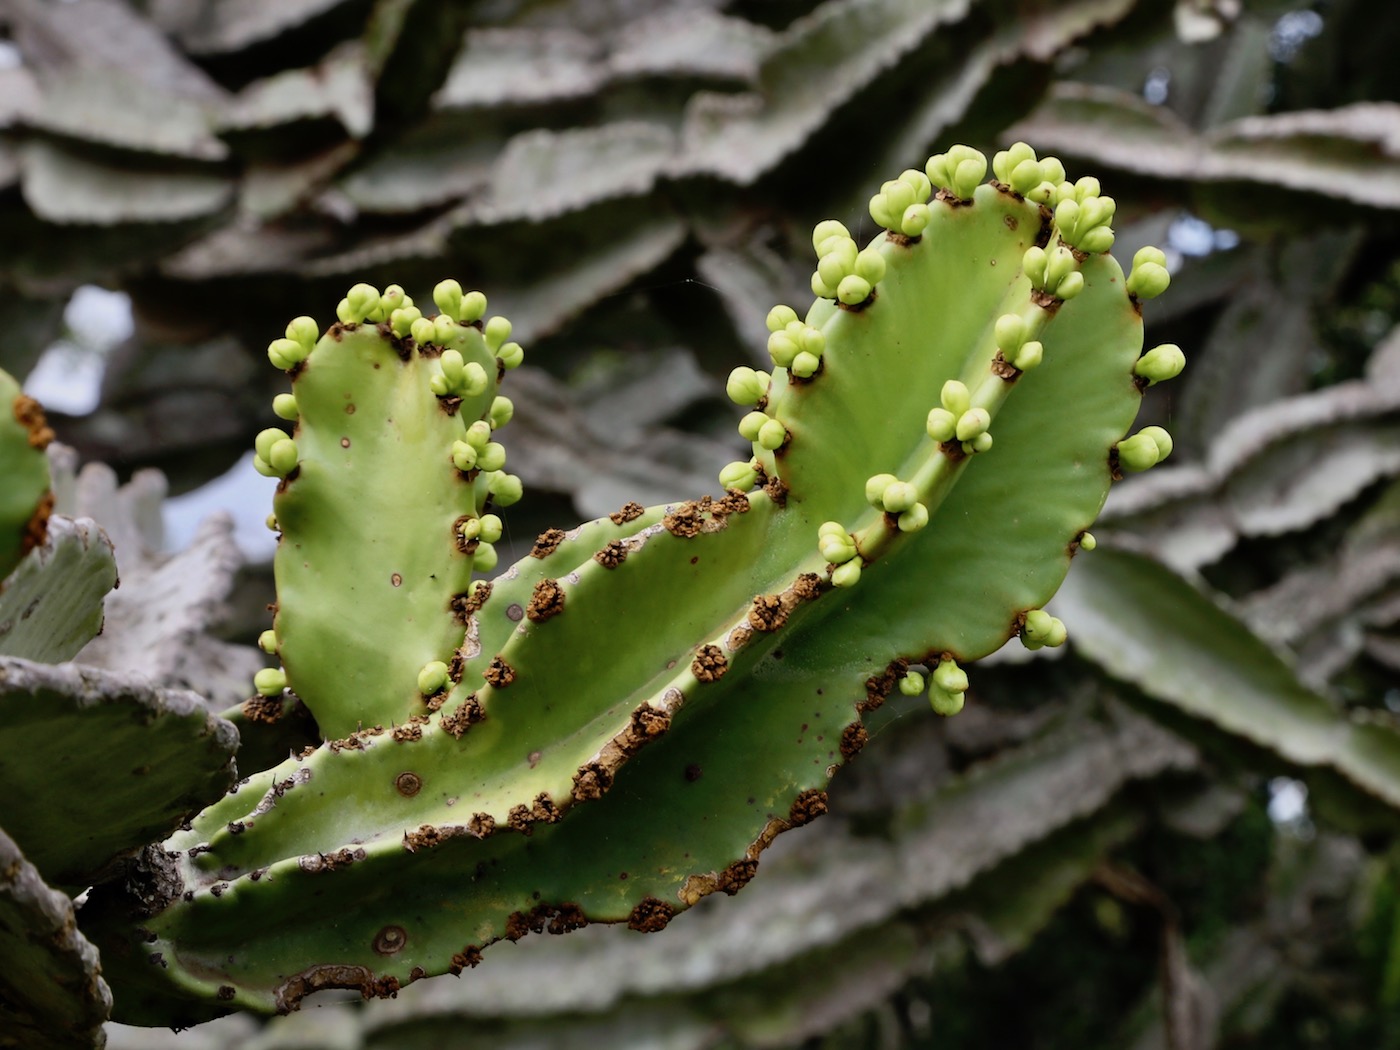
(463, 605)
(1004, 369)
(709, 664)
(612, 554)
(427, 836)
(591, 782)
(648, 723)
(408, 784)
(265, 710)
(685, 521)
(500, 674)
(517, 926)
(735, 877)
(225, 992)
(468, 958)
(36, 529)
(410, 730)
(482, 825)
(734, 503)
(853, 738)
(777, 490)
(807, 587)
(544, 811)
(30, 415)
(518, 819)
(547, 543)
(807, 807)
(630, 511)
(314, 978)
(382, 988)
(566, 918)
(464, 545)
(468, 714)
(651, 915)
(547, 600)
(879, 687)
(767, 613)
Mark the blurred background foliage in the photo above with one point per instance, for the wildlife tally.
(1181, 833)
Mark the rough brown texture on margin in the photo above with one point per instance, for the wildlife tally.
(544, 811)
(463, 605)
(591, 782)
(410, 730)
(482, 825)
(734, 503)
(807, 807)
(518, 819)
(314, 978)
(468, 714)
(648, 722)
(807, 587)
(547, 543)
(735, 877)
(264, 709)
(631, 511)
(777, 490)
(499, 673)
(613, 554)
(767, 613)
(468, 957)
(853, 738)
(650, 915)
(879, 687)
(546, 601)
(709, 664)
(1004, 369)
(428, 835)
(30, 415)
(685, 521)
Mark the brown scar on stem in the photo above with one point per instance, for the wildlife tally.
(289, 994)
(546, 601)
(411, 730)
(463, 605)
(953, 450)
(547, 543)
(264, 710)
(951, 199)
(591, 782)
(1004, 369)
(315, 863)
(853, 738)
(651, 915)
(427, 836)
(467, 714)
(468, 958)
(611, 555)
(709, 664)
(499, 673)
(1047, 301)
(902, 239)
(631, 511)
(879, 687)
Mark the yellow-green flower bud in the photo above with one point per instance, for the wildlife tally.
(1060, 264)
(473, 308)
(448, 296)
(981, 443)
(949, 677)
(821, 289)
(973, 422)
(1087, 541)
(955, 396)
(478, 434)
(267, 641)
(491, 528)
(882, 214)
(303, 330)
(463, 456)
(1096, 241)
(484, 558)
(831, 269)
(853, 289)
(497, 332)
(401, 320)
(452, 366)
(915, 220)
(286, 354)
(492, 456)
(502, 411)
(270, 681)
(780, 317)
(941, 425)
(1004, 162)
(470, 529)
(847, 574)
(266, 439)
(912, 684)
(1010, 334)
(284, 406)
(505, 488)
(875, 489)
(751, 424)
(444, 329)
(782, 348)
(1160, 363)
(423, 330)
(1148, 280)
(1034, 263)
(738, 476)
(271, 522)
(898, 497)
(1070, 285)
(510, 355)
(360, 301)
(772, 435)
(283, 458)
(945, 704)
(1029, 355)
(805, 365)
(432, 678)
(826, 229)
(1149, 254)
(913, 519)
(870, 264)
(744, 386)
